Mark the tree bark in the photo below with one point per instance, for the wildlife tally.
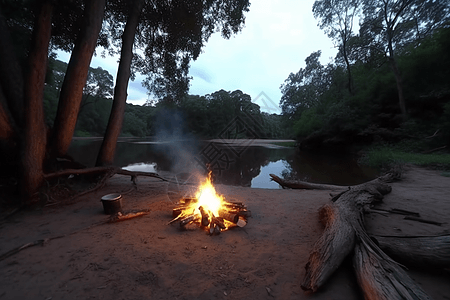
(7, 131)
(341, 220)
(399, 82)
(378, 275)
(35, 135)
(380, 278)
(108, 147)
(11, 81)
(75, 78)
(431, 252)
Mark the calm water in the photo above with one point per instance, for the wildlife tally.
(245, 166)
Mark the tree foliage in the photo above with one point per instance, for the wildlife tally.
(169, 35)
(371, 114)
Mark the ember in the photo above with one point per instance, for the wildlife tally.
(210, 210)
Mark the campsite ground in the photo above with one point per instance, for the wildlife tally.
(145, 258)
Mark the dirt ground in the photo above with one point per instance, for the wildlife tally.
(144, 258)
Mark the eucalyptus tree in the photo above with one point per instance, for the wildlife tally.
(337, 18)
(390, 26)
(177, 31)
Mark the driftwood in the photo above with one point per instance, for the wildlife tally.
(119, 217)
(297, 184)
(431, 252)
(95, 170)
(106, 172)
(344, 232)
(380, 278)
(338, 239)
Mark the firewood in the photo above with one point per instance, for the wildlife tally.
(205, 216)
(229, 216)
(177, 211)
(244, 213)
(241, 222)
(217, 221)
(187, 220)
(130, 215)
(211, 228)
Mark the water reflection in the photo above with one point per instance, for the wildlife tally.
(244, 167)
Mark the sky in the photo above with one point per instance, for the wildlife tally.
(277, 38)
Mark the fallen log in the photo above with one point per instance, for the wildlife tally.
(380, 278)
(338, 239)
(378, 275)
(297, 184)
(432, 252)
(422, 220)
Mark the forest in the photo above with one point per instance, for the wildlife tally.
(388, 84)
(198, 116)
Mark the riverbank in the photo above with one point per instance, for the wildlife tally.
(386, 157)
(145, 258)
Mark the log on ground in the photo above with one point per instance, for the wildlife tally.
(297, 184)
(418, 251)
(380, 278)
(338, 239)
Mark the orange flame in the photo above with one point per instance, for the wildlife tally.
(208, 198)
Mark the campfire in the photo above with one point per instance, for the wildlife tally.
(209, 211)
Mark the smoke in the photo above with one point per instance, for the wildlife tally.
(175, 143)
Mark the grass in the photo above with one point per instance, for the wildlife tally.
(385, 157)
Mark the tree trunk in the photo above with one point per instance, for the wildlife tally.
(399, 82)
(7, 131)
(108, 147)
(75, 78)
(347, 63)
(12, 80)
(393, 64)
(35, 135)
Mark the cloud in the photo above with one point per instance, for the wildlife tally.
(277, 38)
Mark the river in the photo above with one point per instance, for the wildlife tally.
(242, 162)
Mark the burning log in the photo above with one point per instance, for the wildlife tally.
(218, 221)
(187, 220)
(205, 216)
(177, 211)
(244, 213)
(234, 218)
(209, 209)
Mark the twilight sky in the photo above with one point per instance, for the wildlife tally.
(277, 38)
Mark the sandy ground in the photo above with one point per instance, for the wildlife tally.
(144, 258)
